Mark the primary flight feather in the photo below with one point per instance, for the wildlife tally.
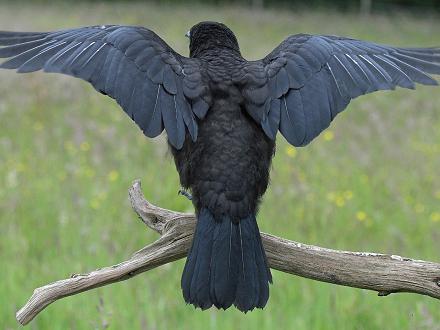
(222, 114)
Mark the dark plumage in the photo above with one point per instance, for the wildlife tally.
(222, 114)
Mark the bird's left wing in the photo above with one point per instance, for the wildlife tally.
(154, 85)
(307, 80)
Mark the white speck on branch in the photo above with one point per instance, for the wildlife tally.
(373, 271)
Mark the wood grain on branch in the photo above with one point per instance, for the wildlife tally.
(379, 272)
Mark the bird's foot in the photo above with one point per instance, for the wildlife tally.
(183, 192)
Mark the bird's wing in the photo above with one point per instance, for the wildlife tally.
(307, 80)
(154, 85)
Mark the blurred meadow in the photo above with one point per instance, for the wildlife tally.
(68, 154)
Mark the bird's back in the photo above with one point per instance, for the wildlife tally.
(227, 168)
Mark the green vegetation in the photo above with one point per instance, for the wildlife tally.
(68, 155)
(364, 6)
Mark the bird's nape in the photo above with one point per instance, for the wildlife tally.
(211, 35)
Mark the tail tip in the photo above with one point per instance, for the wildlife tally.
(226, 265)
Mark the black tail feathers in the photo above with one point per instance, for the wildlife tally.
(226, 265)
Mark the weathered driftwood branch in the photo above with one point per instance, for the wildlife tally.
(379, 272)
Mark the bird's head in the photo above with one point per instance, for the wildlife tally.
(209, 35)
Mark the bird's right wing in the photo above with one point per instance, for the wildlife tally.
(154, 85)
(307, 80)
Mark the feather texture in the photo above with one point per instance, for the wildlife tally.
(116, 60)
(226, 264)
(328, 72)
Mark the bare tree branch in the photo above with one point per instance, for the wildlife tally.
(379, 272)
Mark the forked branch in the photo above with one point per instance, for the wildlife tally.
(379, 272)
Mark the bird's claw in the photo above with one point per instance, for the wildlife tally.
(183, 192)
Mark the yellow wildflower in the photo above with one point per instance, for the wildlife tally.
(328, 135)
(340, 201)
(291, 151)
(95, 204)
(113, 176)
(361, 215)
(348, 194)
(435, 217)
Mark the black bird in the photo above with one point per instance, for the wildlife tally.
(222, 114)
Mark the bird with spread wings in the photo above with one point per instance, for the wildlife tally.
(222, 114)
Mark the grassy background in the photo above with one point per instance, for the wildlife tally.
(68, 155)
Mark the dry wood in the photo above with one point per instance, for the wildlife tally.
(383, 273)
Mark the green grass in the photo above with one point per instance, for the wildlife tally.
(68, 155)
